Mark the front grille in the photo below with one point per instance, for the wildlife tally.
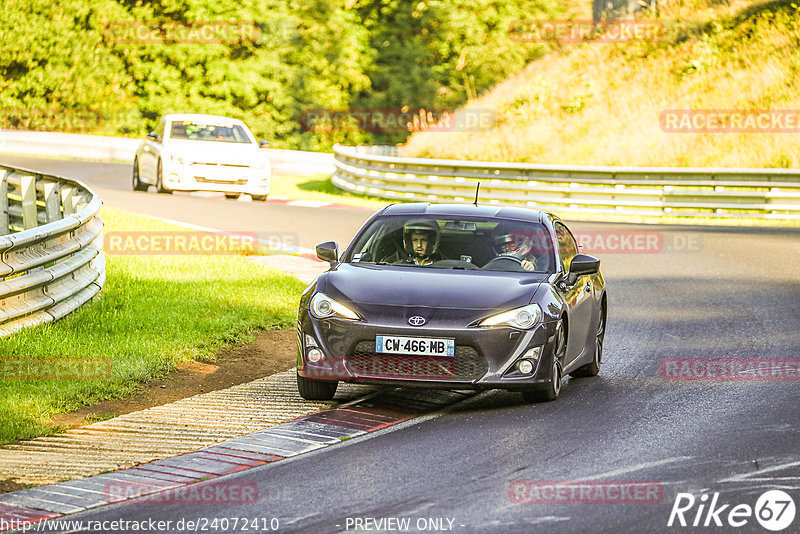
(204, 180)
(467, 364)
(238, 165)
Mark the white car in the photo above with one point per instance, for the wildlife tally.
(191, 152)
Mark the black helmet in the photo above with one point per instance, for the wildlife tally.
(420, 226)
(510, 243)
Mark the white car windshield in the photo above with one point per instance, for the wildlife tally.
(193, 131)
(471, 243)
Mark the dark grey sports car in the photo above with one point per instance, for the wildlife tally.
(453, 296)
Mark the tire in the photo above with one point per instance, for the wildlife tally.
(160, 180)
(591, 369)
(316, 389)
(232, 196)
(552, 390)
(259, 198)
(137, 184)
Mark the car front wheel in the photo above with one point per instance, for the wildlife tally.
(591, 369)
(232, 196)
(259, 198)
(160, 180)
(138, 185)
(552, 390)
(316, 389)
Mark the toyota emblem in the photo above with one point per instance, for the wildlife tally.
(417, 320)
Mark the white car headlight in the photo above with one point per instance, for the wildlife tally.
(524, 318)
(322, 306)
(178, 159)
(259, 164)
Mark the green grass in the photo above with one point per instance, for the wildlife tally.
(320, 188)
(154, 312)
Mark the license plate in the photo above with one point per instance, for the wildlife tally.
(420, 346)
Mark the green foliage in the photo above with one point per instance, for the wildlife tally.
(66, 65)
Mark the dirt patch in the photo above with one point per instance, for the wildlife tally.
(7, 485)
(271, 352)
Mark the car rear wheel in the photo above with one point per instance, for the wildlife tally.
(316, 389)
(160, 180)
(232, 196)
(591, 369)
(553, 389)
(259, 198)
(138, 185)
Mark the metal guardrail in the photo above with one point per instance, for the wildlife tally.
(122, 150)
(677, 191)
(51, 248)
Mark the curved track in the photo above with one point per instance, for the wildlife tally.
(733, 293)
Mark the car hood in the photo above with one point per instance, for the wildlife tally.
(387, 289)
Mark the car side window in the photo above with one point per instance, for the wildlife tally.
(567, 248)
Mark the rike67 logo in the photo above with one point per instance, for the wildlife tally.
(774, 510)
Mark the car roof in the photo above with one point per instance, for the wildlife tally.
(199, 117)
(468, 210)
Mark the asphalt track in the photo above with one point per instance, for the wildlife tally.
(704, 293)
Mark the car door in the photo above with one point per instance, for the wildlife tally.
(577, 293)
(151, 151)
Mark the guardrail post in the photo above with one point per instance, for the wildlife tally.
(52, 201)
(3, 202)
(67, 200)
(28, 185)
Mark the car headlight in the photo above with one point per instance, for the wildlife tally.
(322, 306)
(259, 164)
(524, 318)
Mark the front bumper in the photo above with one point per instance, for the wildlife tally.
(485, 358)
(222, 178)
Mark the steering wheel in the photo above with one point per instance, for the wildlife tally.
(496, 264)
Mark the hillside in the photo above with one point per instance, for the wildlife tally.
(592, 103)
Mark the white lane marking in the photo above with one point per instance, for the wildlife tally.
(308, 203)
(638, 467)
(746, 477)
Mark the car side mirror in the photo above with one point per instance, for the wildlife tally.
(328, 251)
(263, 144)
(581, 264)
(152, 136)
(584, 264)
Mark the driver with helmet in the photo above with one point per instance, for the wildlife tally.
(421, 242)
(515, 246)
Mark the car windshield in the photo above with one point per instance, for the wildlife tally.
(472, 243)
(195, 131)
